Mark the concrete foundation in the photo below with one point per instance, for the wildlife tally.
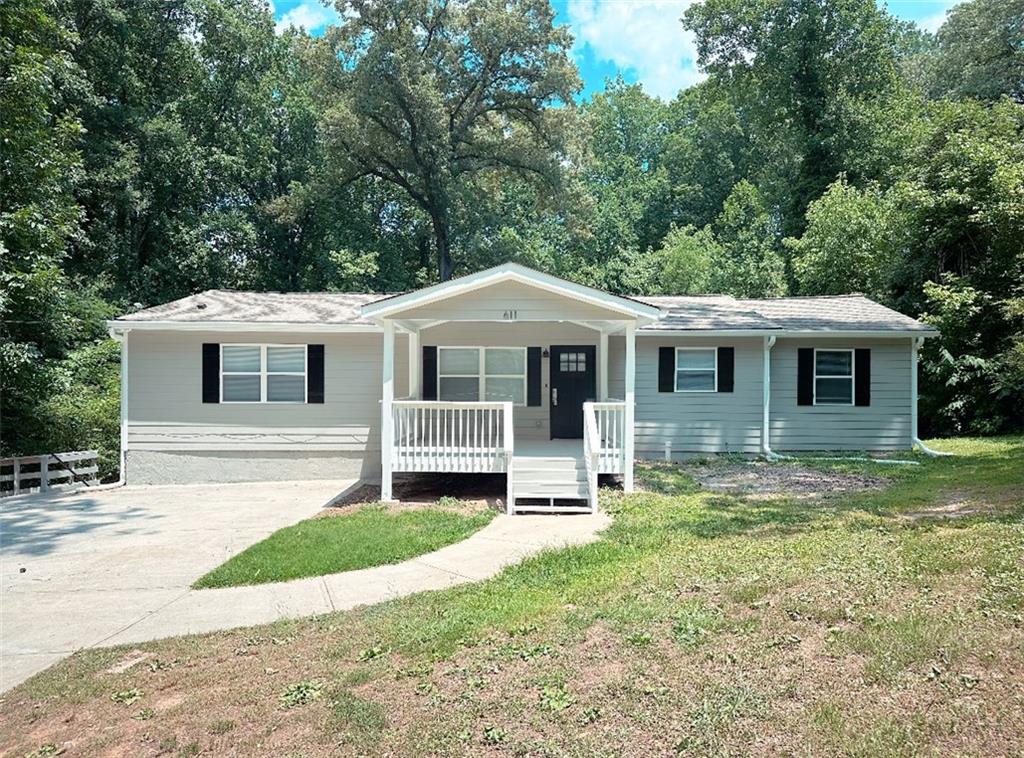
(223, 467)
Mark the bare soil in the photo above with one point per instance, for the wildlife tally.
(793, 480)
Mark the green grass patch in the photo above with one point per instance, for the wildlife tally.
(369, 536)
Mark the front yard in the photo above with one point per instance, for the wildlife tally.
(886, 619)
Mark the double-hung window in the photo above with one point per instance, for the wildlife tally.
(263, 373)
(482, 373)
(833, 377)
(696, 369)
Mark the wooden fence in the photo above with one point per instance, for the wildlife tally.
(43, 473)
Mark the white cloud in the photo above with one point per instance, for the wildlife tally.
(644, 37)
(309, 15)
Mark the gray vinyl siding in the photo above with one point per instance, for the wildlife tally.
(884, 425)
(529, 422)
(166, 412)
(693, 422)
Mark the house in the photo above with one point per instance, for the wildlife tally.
(505, 370)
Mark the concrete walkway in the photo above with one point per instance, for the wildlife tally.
(506, 540)
(113, 567)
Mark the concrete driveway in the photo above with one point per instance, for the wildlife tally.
(76, 571)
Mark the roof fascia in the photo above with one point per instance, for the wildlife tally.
(237, 326)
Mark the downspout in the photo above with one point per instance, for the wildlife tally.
(915, 441)
(121, 335)
(766, 393)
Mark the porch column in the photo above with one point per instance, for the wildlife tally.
(387, 396)
(415, 389)
(602, 371)
(630, 382)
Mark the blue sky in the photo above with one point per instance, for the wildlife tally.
(641, 39)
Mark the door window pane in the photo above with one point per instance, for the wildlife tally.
(457, 388)
(241, 358)
(241, 388)
(284, 388)
(459, 361)
(503, 360)
(286, 359)
(503, 389)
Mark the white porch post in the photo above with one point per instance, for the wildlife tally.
(630, 382)
(415, 388)
(387, 396)
(602, 370)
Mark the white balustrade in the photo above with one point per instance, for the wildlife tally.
(469, 437)
(610, 423)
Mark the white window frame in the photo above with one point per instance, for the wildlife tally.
(481, 375)
(676, 369)
(853, 373)
(263, 373)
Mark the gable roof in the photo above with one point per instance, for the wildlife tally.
(337, 311)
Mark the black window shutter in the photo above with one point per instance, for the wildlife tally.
(805, 376)
(533, 376)
(666, 369)
(314, 373)
(726, 368)
(862, 377)
(429, 372)
(211, 372)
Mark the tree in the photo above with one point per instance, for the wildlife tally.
(428, 94)
(798, 67)
(748, 262)
(981, 51)
(687, 257)
(852, 243)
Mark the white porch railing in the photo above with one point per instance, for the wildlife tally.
(469, 437)
(591, 453)
(610, 434)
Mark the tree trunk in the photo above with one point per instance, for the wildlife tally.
(444, 258)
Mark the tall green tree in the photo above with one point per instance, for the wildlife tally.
(430, 94)
(980, 51)
(799, 67)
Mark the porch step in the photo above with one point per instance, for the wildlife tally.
(555, 484)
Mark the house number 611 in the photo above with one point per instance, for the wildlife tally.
(510, 315)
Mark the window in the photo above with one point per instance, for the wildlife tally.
(696, 369)
(833, 377)
(482, 373)
(263, 373)
(572, 362)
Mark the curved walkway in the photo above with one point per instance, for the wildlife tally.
(111, 567)
(506, 540)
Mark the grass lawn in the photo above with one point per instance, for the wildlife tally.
(886, 622)
(367, 536)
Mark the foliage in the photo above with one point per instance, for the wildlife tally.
(148, 151)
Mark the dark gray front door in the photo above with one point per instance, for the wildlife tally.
(573, 382)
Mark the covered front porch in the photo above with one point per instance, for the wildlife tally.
(509, 373)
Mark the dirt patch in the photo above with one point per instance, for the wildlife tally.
(459, 492)
(956, 504)
(799, 482)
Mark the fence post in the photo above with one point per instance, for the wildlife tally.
(17, 476)
(44, 473)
